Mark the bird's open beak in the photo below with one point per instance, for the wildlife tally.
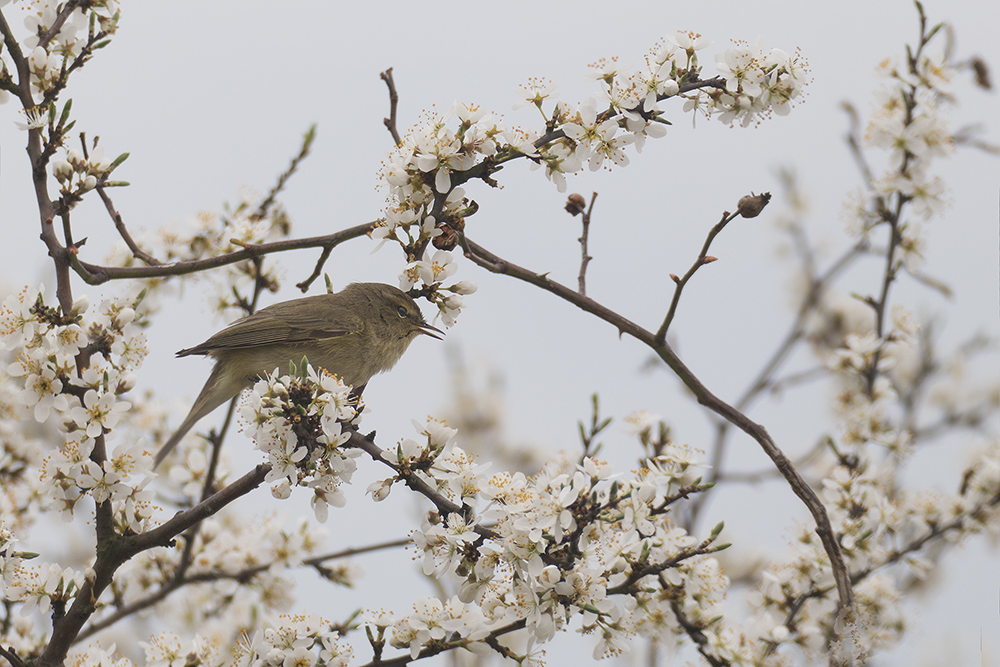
(433, 332)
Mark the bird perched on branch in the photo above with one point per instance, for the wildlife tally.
(356, 333)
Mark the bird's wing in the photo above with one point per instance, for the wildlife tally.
(287, 322)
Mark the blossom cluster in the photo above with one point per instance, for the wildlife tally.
(21, 456)
(48, 61)
(877, 520)
(428, 207)
(74, 369)
(166, 650)
(297, 421)
(37, 587)
(299, 640)
(78, 173)
(575, 541)
(909, 123)
(436, 624)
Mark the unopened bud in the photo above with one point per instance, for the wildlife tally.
(673, 276)
(576, 204)
(447, 239)
(982, 72)
(708, 259)
(751, 205)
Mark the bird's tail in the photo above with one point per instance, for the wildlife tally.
(212, 395)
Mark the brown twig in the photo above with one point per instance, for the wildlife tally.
(268, 202)
(137, 252)
(94, 274)
(406, 659)
(584, 257)
(347, 553)
(853, 139)
(703, 258)
(317, 270)
(390, 122)
(22, 89)
(484, 169)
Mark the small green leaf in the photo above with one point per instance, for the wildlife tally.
(118, 160)
(65, 112)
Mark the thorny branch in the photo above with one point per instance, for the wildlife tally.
(493, 263)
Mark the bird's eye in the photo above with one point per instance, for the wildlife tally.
(402, 311)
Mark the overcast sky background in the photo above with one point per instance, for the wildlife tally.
(212, 97)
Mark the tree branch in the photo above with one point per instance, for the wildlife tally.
(94, 274)
(488, 260)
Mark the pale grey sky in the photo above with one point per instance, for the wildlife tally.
(211, 97)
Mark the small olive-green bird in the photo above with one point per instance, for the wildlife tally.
(356, 333)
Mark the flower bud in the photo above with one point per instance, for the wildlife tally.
(464, 287)
(751, 205)
(576, 204)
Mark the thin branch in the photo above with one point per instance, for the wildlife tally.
(854, 142)
(307, 141)
(584, 257)
(390, 122)
(762, 475)
(137, 252)
(57, 24)
(703, 259)
(347, 553)
(94, 274)
(694, 631)
(484, 258)
(320, 263)
(23, 89)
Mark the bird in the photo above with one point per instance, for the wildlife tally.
(356, 333)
